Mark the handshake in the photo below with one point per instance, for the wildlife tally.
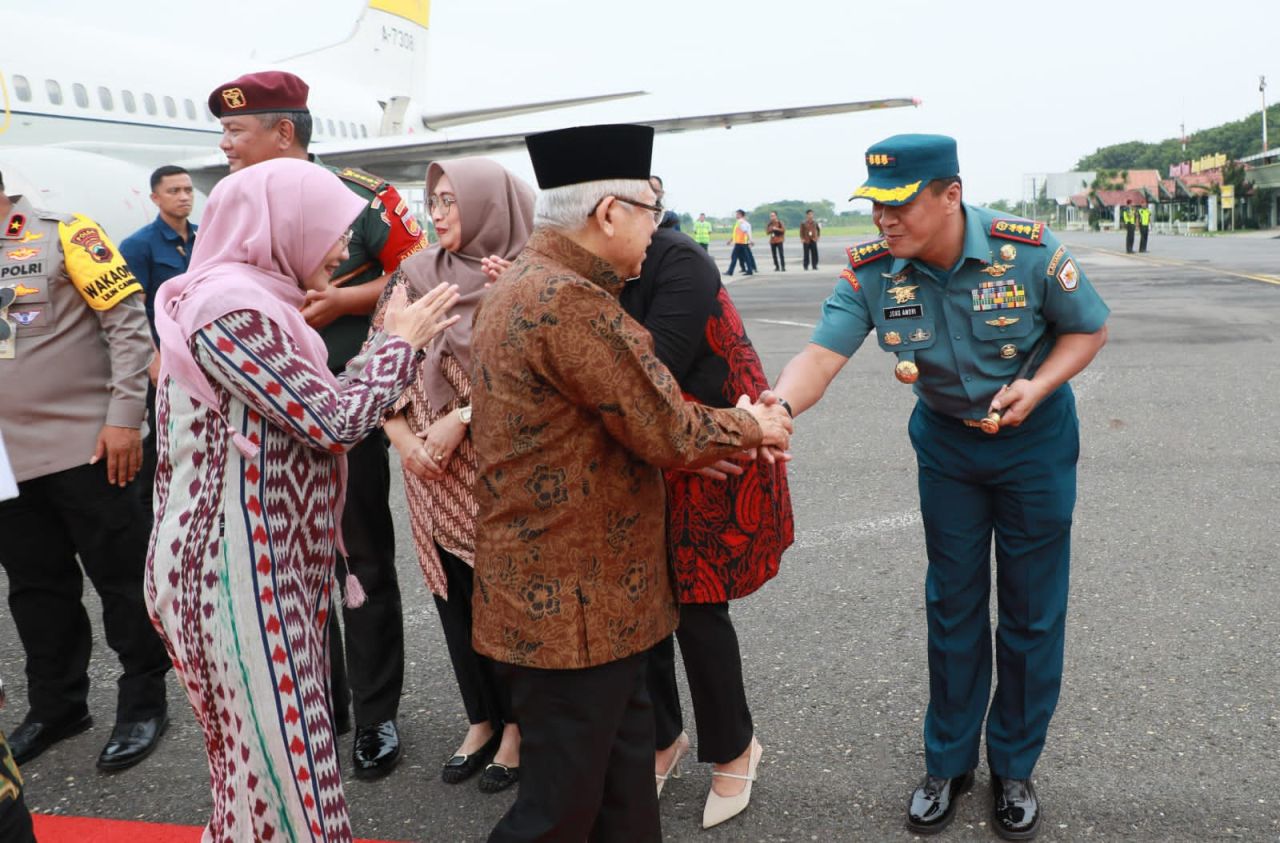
(777, 427)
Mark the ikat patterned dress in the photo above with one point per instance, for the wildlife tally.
(241, 567)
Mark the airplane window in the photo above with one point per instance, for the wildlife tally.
(81, 95)
(54, 90)
(208, 115)
(364, 133)
(331, 130)
(170, 107)
(126, 99)
(190, 108)
(319, 126)
(22, 88)
(342, 128)
(104, 97)
(353, 130)
(149, 103)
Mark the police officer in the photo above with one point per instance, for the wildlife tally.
(1128, 218)
(73, 437)
(702, 232)
(265, 116)
(1144, 226)
(962, 295)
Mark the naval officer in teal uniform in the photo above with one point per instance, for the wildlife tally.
(962, 296)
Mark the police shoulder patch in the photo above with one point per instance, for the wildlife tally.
(861, 254)
(1024, 231)
(360, 177)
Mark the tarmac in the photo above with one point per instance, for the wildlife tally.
(1169, 724)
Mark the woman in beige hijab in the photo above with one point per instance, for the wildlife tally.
(481, 213)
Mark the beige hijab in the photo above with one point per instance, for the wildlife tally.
(495, 211)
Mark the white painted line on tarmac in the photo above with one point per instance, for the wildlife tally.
(786, 322)
(841, 533)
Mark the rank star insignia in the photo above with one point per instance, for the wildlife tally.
(892, 338)
(902, 295)
(1008, 252)
(1003, 321)
(997, 269)
(16, 223)
(234, 98)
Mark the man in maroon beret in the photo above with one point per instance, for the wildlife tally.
(265, 116)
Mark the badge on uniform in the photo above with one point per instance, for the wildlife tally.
(902, 295)
(17, 222)
(1008, 252)
(996, 270)
(1003, 321)
(1009, 351)
(919, 335)
(892, 338)
(1069, 276)
(999, 295)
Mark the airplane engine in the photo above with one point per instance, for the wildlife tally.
(114, 193)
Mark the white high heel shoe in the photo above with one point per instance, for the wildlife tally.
(720, 808)
(673, 769)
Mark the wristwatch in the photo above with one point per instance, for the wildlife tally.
(786, 405)
(464, 414)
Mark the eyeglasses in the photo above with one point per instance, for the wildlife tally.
(443, 201)
(656, 211)
(345, 239)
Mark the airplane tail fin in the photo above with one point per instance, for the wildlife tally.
(385, 52)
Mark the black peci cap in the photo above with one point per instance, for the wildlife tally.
(591, 153)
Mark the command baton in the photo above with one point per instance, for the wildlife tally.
(991, 424)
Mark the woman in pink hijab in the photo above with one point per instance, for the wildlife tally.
(252, 432)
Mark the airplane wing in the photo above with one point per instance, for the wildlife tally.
(404, 158)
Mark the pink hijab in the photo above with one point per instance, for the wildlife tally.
(265, 229)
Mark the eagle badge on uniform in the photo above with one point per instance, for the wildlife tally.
(1003, 321)
(996, 270)
(1069, 276)
(22, 254)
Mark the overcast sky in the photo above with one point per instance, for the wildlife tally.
(1024, 87)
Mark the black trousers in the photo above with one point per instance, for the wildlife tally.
(55, 518)
(1128, 238)
(374, 668)
(486, 699)
(713, 666)
(810, 254)
(15, 819)
(1142, 237)
(586, 755)
(779, 259)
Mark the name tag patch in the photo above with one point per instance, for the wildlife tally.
(908, 311)
(999, 295)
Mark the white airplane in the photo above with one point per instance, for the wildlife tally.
(78, 133)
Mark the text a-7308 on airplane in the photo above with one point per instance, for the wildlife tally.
(82, 132)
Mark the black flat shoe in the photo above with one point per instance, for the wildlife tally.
(376, 750)
(933, 804)
(131, 742)
(1016, 812)
(498, 777)
(33, 737)
(459, 768)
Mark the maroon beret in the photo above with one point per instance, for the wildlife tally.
(256, 93)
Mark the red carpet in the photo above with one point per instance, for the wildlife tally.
(51, 829)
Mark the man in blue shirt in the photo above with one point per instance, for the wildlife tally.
(963, 297)
(157, 252)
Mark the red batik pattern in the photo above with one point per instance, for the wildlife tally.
(726, 537)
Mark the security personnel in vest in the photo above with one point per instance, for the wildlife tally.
(1127, 219)
(1144, 226)
(265, 116)
(702, 232)
(73, 437)
(961, 295)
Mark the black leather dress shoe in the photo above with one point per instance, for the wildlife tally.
(376, 750)
(33, 737)
(933, 804)
(131, 742)
(1016, 813)
(498, 777)
(459, 768)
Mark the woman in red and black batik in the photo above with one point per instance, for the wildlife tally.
(725, 536)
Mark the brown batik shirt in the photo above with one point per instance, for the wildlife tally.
(574, 420)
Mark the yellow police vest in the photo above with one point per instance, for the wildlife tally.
(1144, 216)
